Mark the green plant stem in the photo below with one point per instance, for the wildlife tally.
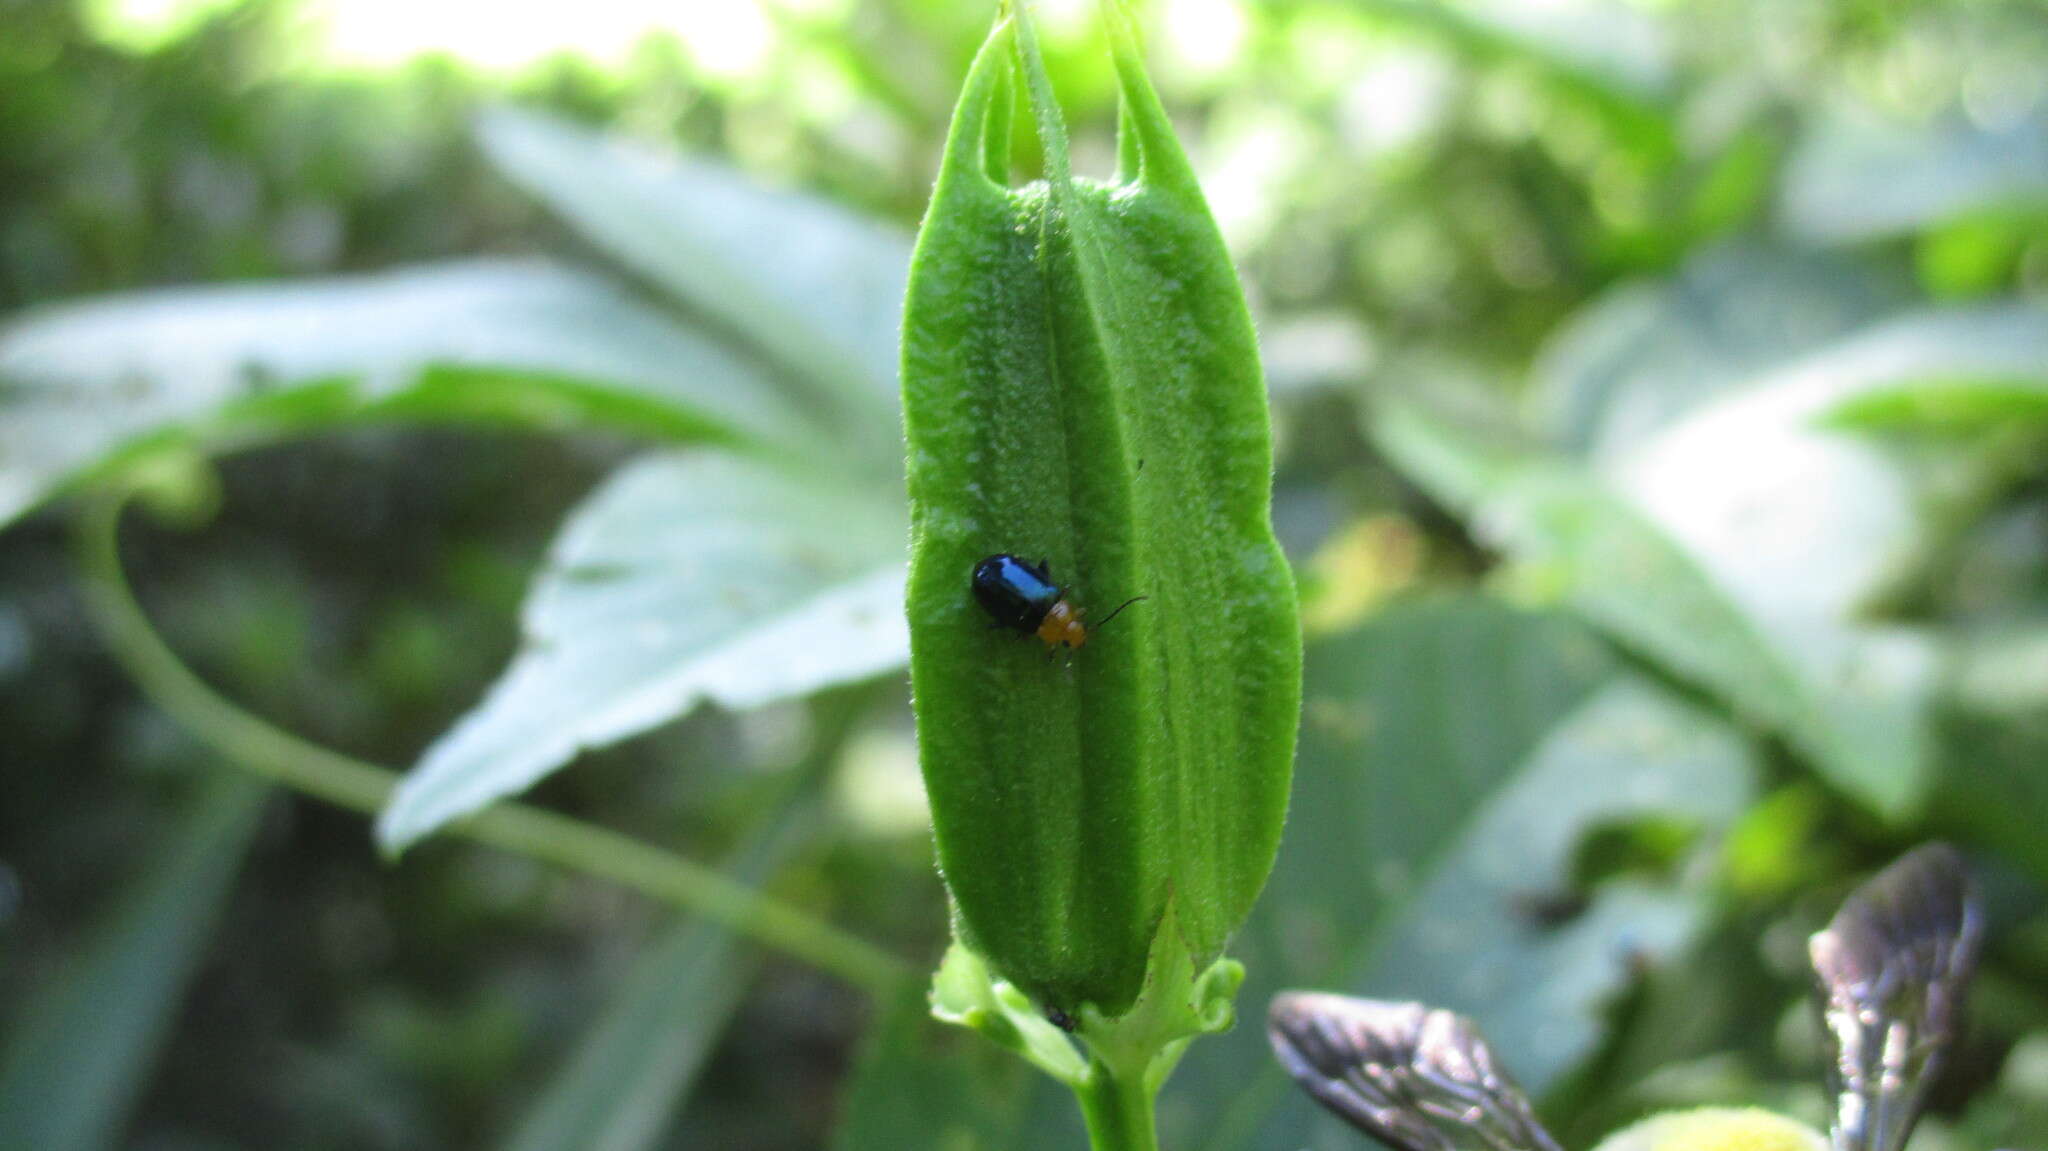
(1117, 1109)
(277, 755)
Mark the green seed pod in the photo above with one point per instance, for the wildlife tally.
(1081, 385)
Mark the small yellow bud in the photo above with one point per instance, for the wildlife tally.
(1716, 1129)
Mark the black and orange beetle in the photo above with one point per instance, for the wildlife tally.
(1021, 596)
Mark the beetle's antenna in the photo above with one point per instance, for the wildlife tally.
(1119, 608)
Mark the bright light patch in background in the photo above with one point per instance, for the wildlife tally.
(1394, 102)
(726, 38)
(1253, 152)
(816, 9)
(1063, 19)
(1202, 37)
(143, 24)
(879, 787)
(1326, 50)
(1612, 38)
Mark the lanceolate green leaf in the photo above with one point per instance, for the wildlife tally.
(1081, 384)
(524, 342)
(689, 578)
(76, 1059)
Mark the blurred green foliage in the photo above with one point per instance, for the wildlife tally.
(1609, 249)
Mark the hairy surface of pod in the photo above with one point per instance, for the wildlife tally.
(1081, 384)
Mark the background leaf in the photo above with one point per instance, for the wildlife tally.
(522, 342)
(1589, 771)
(630, 1073)
(622, 1085)
(1813, 523)
(688, 578)
(813, 286)
(1964, 404)
(920, 1086)
(1856, 177)
(1580, 542)
(77, 1058)
(1644, 354)
(1992, 786)
(1993, 718)
(1748, 579)
(1614, 57)
(1454, 754)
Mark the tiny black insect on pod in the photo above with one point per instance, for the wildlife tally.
(1021, 596)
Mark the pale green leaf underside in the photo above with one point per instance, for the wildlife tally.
(1616, 51)
(689, 578)
(2000, 668)
(1856, 178)
(1983, 368)
(1578, 541)
(79, 1053)
(1798, 520)
(814, 287)
(502, 340)
(1645, 354)
(1800, 526)
(1737, 543)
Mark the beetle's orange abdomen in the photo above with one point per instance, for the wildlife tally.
(1062, 625)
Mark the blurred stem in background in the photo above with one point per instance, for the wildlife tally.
(258, 747)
